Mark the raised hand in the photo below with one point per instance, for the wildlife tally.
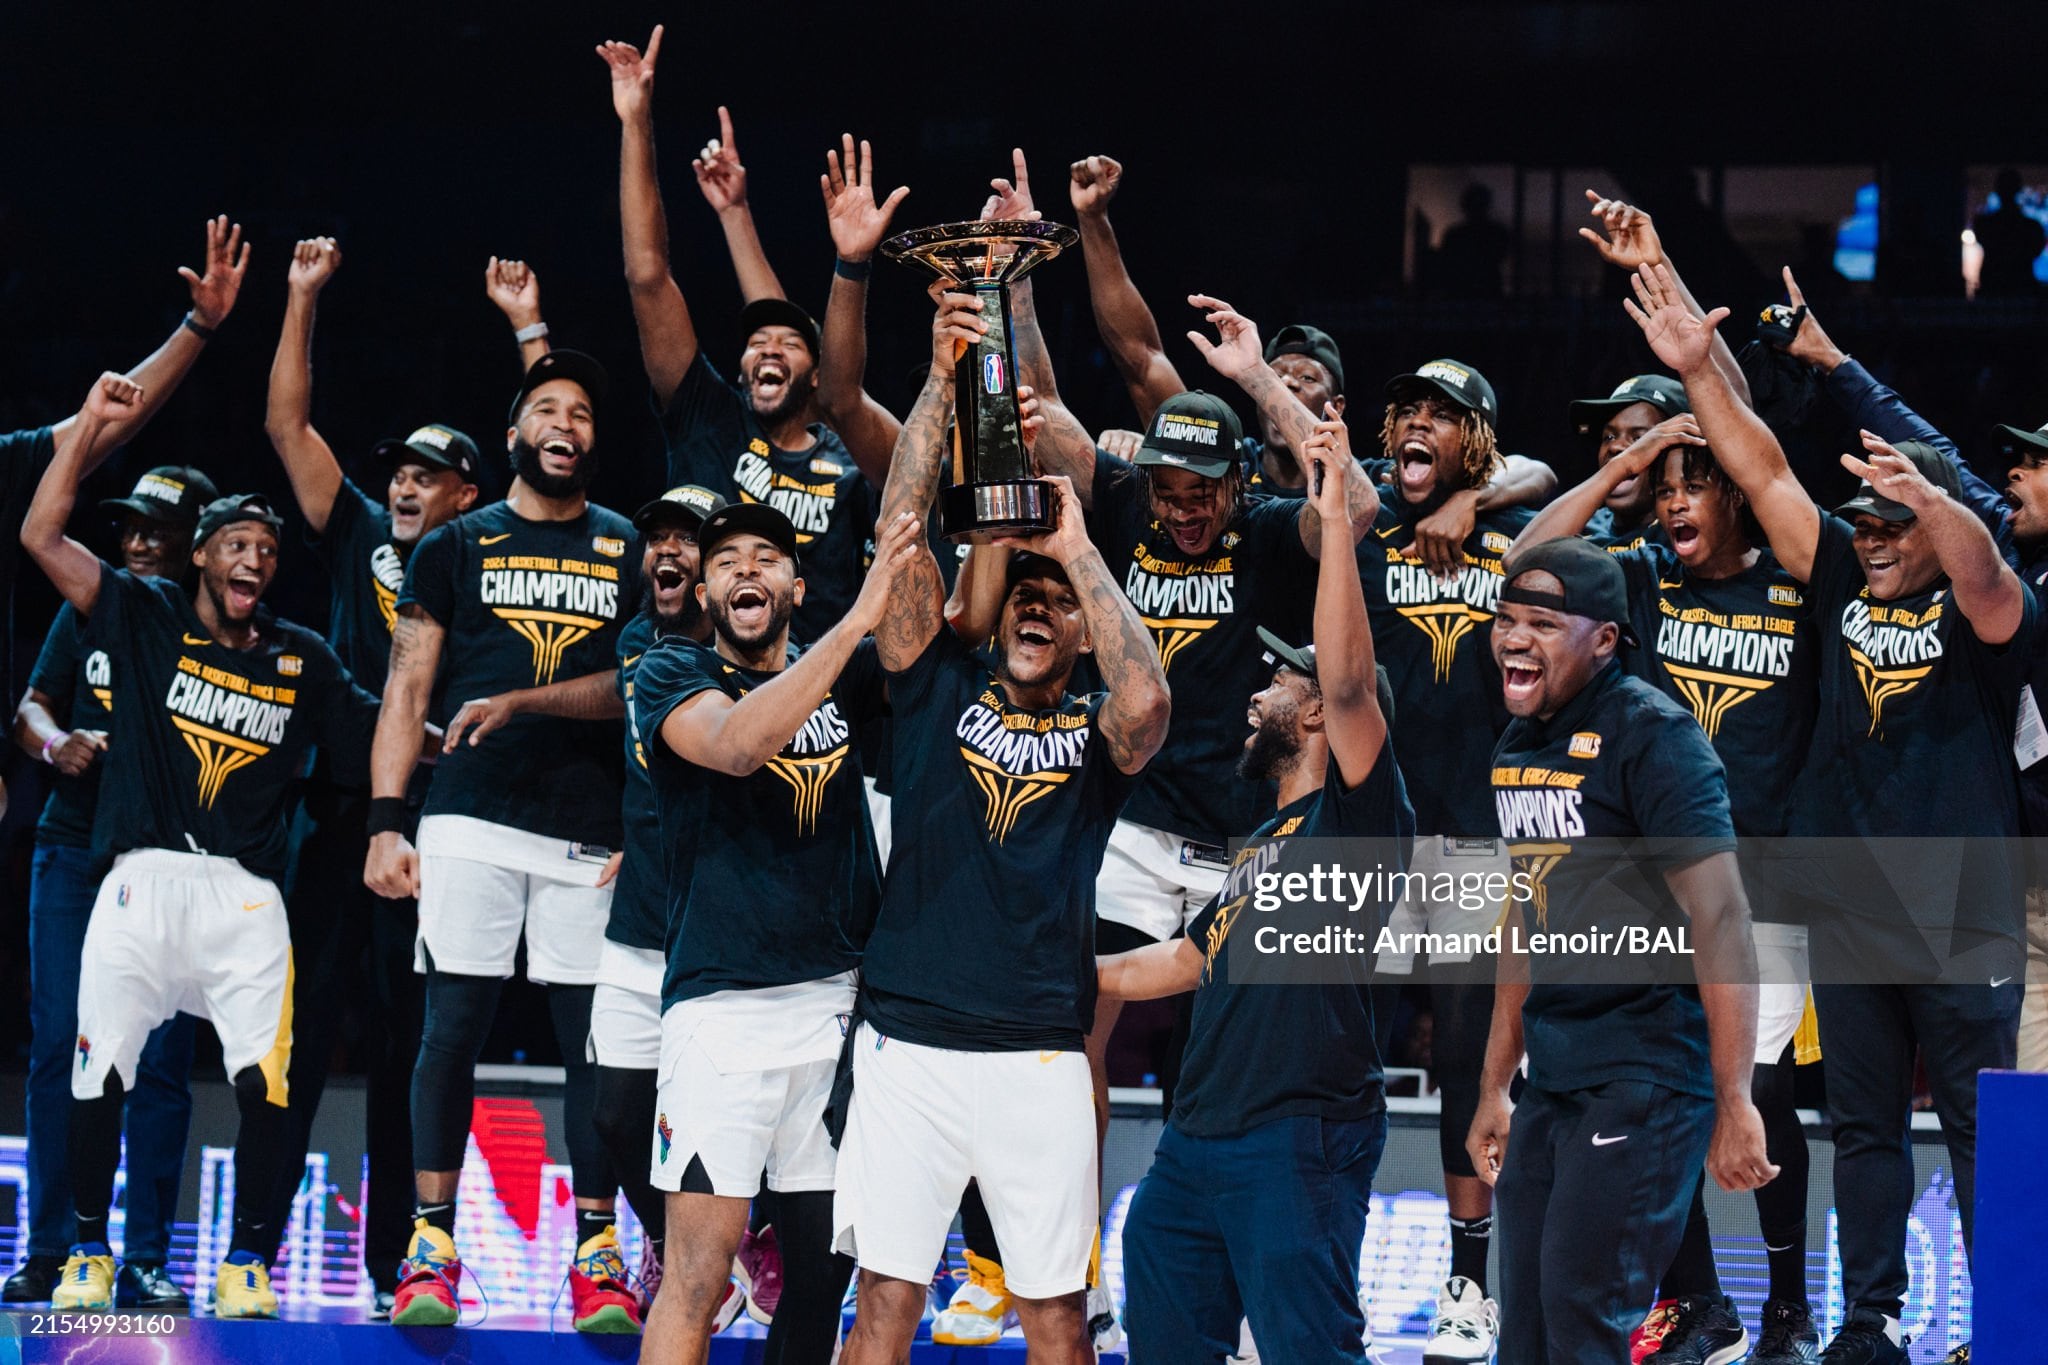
(1682, 341)
(719, 173)
(1012, 198)
(227, 260)
(1092, 183)
(632, 76)
(1810, 343)
(1631, 241)
(1068, 539)
(515, 288)
(1326, 456)
(1119, 442)
(1892, 475)
(857, 222)
(1236, 349)
(896, 546)
(1648, 448)
(113, 398)
(314, 261)
(957, 325)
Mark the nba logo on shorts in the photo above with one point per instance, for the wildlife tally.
(992, 373)
(845, 1023)
(84, 1052)
(121, 896)
(660, 1127)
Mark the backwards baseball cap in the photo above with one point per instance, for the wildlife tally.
(779, 313)
(171, 493)
(571, 365)
(688, 504)
(434, 446)
(1660, 391)
(1195, 431)
(2017, 447)
(1302, 659)
(1591, 581)
(236, 507)
(746, 519)
(1030, 564)
(1934, 467)
(1454, 380)
(1298, 338)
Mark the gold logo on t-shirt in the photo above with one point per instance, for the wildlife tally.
(807, 779)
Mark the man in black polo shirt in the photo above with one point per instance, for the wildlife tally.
(342, 933)
(1255, 1205)
(1635, 1081)
(1007, 787)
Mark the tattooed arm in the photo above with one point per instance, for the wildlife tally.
(393, 868)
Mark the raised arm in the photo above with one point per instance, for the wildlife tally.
(1710, 892)
(288, 420)
(87, 439)
(668, 339)
(1631, 243)
(1345, 672)
(975, 609)
(1568, 515)
(1741, 443)
(858, 225)
(515, 289)
(1128, 329)
(724, 182)
(594, 696)
(392, 868)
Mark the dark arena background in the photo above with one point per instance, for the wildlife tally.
(1408, 177)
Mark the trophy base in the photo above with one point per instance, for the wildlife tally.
(976, 513)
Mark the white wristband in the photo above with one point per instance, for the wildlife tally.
(533, 333)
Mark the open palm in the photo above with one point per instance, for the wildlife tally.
(1682, 341)
(632, 75)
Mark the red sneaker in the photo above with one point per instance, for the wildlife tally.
(597, 1288)
(758, 1268)
(1644, 1341)
(428, 1277)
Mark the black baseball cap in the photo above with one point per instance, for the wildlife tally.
(1302, 659)
(1660, 391)
(1934, 466)
(1298, 338)
(1592, 581)
(2017, 446)
(1195, 431)
(779, 313)
(1030, 564)
(433, 445)
(688, 503)
(236, 507)
(572, 365)
(171, 493)
(1454, 380)
(746, 519)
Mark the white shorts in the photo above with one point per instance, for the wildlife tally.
(480, 883)
(625, 1009)
(1782, 973)
(878, 815)
(1156, 882)
(745, 1076)
(924, 1121)
(1462, 858)
(184, 931)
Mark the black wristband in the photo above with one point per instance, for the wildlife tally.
(387, 815)
(198, 329)
(857, 271)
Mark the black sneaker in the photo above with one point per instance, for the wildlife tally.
(1788, 1335)
(1708, 1332)
(34, 1282)
(1862, 1342)
(149, 1286)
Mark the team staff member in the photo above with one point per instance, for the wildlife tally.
(219, 704)
(754, 757)
(2025, 455)
(517, 594)
(1929, 636)
(1012, 785)
(73, 685)
(751, 441)
(1723, 630)
(1631, 1084)
(341, 932)
(1234, 1207)
(1627, 516)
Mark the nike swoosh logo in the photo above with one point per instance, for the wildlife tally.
(1045, 1057)
(493, 540)
(629, 661)
(254, 905)
(1599, 1141)
(1996, 982)
(196, 640)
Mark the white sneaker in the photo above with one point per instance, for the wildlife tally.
(1466, 1324)
(979, 1310)
(1103, 1328)
(1247, 1349)
(1372, 1352)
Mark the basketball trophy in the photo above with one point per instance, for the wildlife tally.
(994, 490)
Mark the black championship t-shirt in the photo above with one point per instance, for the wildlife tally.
(716, 441)
(24, 455)
(525, 604)
(639, 907)
(2034, 777)
(998, 825)
(367, 574)
(1264, 1052)
(1600, 529)
(1621, 761)
(1203, 615)
(1740, 654)
(784, 883)
(212, 737)
(1435, 639)
(79, 681)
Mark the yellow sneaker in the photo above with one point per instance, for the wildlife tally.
(87, 1281)
(980, 1308)
(241, 1289)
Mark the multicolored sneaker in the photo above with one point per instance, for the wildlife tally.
(979, 1310)
(597, 1287)
(758, 1268)
(86, 1283)
(428, 1280)
(1650, 1334)
(241, 1287)
(728, 1307)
